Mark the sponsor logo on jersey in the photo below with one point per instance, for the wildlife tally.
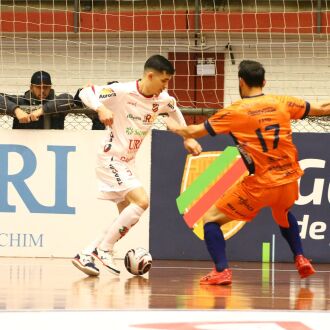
(129, 130)
(272, 160)
(134, 144)
(282, 167)
(106, 93)
(130, 116)
(126, 159)
(171, 104)
(149, 119)
(132, 103)
(135, 131)
(155, 107)
(107, 147)
(261, 111)
(108, 144)
(293, 104)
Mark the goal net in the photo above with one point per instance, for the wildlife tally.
(105, 40)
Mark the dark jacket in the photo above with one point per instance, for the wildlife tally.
(54, 106)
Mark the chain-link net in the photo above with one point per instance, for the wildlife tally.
(79, 42)
(81, 121)
(6, 122)
(78, 122)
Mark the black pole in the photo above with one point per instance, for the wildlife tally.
(76, 16)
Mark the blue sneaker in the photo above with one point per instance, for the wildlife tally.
(85, 263)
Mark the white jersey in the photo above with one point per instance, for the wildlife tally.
(133, 116)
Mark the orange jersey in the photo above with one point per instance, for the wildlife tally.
(262, 131)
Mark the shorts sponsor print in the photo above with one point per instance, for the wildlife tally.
(117, 176)
(243, 202)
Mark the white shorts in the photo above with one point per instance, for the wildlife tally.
(116, 181)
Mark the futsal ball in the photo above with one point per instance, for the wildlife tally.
(138, 261)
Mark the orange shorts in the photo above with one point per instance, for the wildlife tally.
(242, 202)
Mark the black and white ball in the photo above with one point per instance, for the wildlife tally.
(138, 261)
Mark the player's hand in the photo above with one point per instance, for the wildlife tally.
(105, 115)
(34, 115)
(192, 146)
(22, 116)
(89, 84)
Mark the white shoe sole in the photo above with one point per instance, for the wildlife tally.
(110, 269)
(86, 270)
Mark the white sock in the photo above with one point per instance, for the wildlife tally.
(92, 245)
(126, 219)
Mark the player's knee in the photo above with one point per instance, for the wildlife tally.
(210, 215)
(206, 220)
(215, 215)
(143, 203)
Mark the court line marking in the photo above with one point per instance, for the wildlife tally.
(134, 319)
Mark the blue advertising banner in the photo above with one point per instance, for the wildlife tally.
(170, 238)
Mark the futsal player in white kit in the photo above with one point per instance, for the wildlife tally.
(129, 110)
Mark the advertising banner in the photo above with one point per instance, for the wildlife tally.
(48, 194)
(171, 238)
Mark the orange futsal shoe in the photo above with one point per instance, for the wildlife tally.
(217, 278)
(303, 266)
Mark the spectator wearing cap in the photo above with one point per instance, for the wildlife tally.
(42, 96)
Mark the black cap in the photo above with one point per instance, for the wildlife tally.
(41, 78)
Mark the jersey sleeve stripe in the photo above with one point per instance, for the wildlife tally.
(209, 128)
(308, 107)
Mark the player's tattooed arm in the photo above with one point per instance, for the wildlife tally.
(190, 144)
(320, 108)
(191, 131)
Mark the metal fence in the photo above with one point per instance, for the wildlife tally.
(79, 121)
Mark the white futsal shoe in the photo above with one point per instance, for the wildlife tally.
(106, 258)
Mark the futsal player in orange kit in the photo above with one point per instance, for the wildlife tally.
(260, 127)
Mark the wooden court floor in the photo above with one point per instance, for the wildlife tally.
(55, 284)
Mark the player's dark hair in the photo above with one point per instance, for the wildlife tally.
(252, 72)
(159, 63)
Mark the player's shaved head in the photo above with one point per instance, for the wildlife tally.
(252, 72)
(159, 63)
